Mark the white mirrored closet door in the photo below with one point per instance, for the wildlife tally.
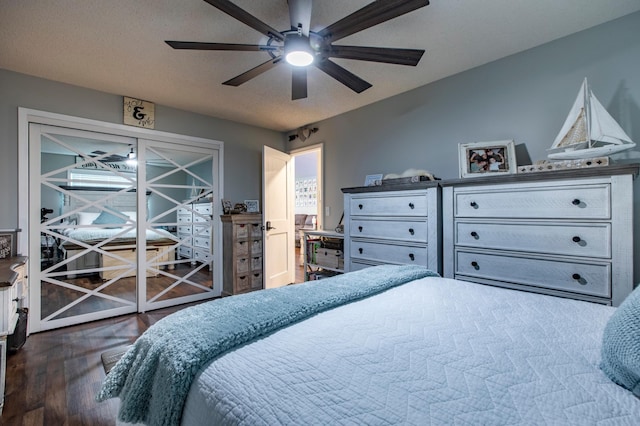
(84, 206)
(180, 181)
(105, 208)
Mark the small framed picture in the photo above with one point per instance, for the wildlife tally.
(252, 206)
(487, 158)
(226, 206)
(373, 180)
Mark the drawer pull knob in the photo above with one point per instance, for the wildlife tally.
(360, 228)
(412, 257)
(576, 239)
(360, 250)
(473, 204)
(576, 202)
(475, 265)
(411, 206)
(475, 235)
(411, 231)
(576, 277)
(360, 206)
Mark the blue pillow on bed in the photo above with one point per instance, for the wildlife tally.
(621, 344)
(108, 218)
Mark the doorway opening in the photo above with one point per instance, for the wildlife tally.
(307, 165)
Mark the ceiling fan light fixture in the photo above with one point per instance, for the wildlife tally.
(298, 51)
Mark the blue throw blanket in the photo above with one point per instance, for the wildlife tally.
(153, 378)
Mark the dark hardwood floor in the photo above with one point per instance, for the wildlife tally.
(53, 379)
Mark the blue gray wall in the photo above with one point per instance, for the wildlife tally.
(525, 97)
(242, 143)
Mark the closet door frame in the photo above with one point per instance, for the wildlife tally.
(27, 116)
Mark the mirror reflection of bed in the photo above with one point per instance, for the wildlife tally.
(96, 250)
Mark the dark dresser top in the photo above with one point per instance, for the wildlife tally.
(7, 274)
(615, 169)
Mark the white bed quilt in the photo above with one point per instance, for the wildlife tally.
(434, 351)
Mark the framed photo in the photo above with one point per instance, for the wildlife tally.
(487, 158)
(252, 206)
(6, 245)
(226, 206)
(373, 180)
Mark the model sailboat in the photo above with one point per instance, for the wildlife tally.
(589, 131)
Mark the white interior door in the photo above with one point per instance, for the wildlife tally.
(278, 202)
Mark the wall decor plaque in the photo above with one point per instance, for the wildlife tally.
(139, 113)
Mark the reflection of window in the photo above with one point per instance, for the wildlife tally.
(100, 178)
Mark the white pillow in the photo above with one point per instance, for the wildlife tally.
(86, 218)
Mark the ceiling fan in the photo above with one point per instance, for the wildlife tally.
(302, 47)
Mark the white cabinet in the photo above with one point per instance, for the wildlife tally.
(548, 233)
(13, 293)
(392, 224)
(194, 228)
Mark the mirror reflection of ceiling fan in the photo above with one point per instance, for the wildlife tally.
(301, 47)
(114, 158)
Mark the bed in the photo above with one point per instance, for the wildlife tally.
(385, 345)
(119, 240)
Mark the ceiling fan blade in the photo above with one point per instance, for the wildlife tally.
(195, 45)
(345, 77)
(298, 83)
(245, 17)
(375, 54)
(372, 14)
(300, 14)
(253, 72)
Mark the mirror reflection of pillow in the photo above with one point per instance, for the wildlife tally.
(108, 218)
(621, 344)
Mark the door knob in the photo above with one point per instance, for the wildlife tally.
(268, 226)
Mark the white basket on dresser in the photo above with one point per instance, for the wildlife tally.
(566, 233)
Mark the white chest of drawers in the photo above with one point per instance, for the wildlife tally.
(392, 224)
(194, 227)
(546, 233)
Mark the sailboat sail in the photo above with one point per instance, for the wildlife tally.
(577, 134)
(603, 127)
(589, 131)
(574, 131)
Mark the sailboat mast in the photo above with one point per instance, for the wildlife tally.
(587, 111)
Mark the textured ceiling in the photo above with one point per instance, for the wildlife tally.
(117, 46)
